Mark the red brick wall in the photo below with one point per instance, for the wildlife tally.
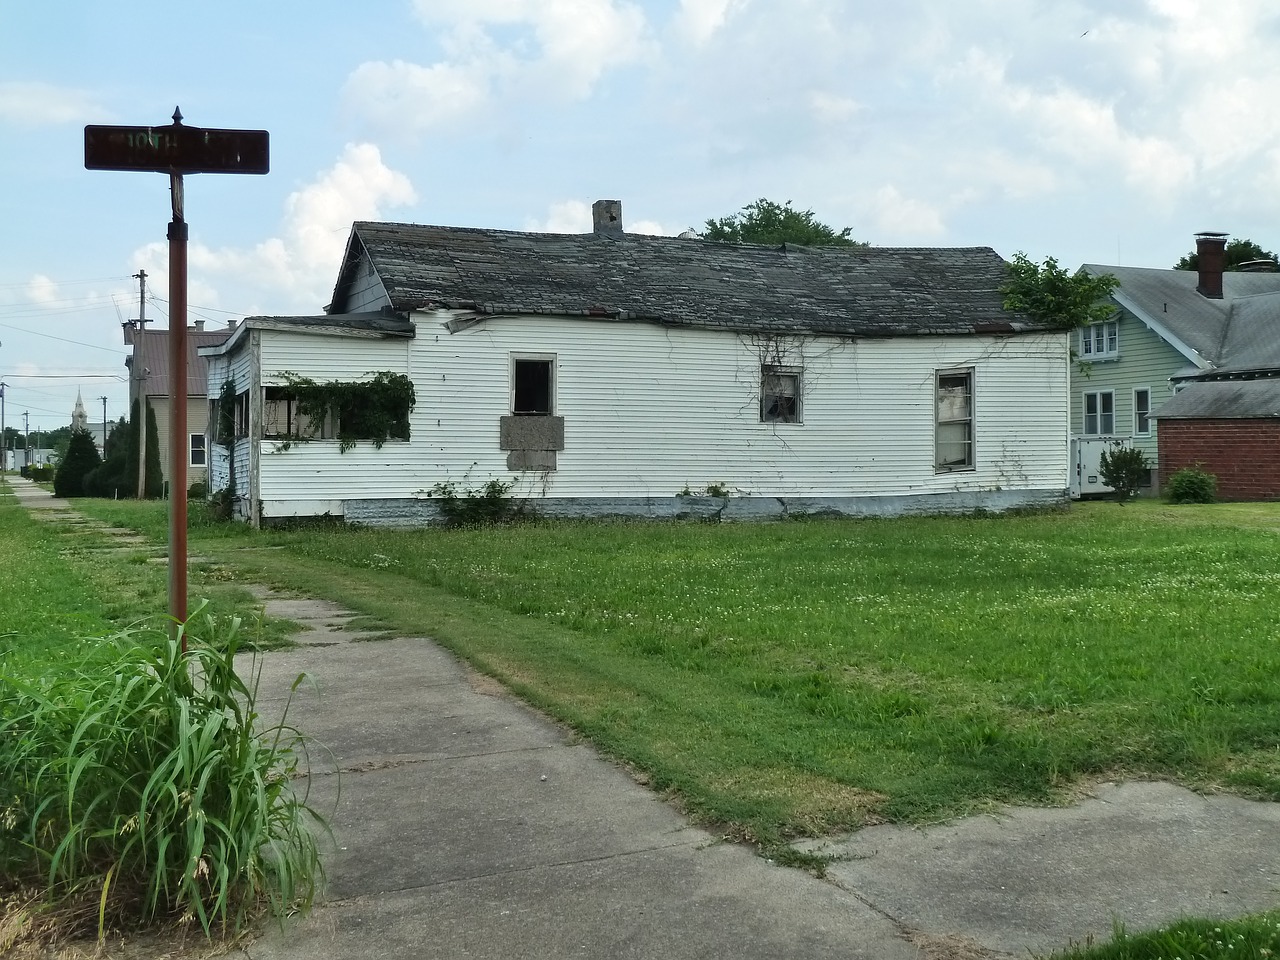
(1243, 454)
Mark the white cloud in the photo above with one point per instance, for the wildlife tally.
(830, 108)
(42, 290)
(700, 20)
(43, 104)
(567, 216)
(650, 228)
(899, 218)
(299, 267)
(553, 48)
(412, 97)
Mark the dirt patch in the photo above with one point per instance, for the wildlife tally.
(934, 947)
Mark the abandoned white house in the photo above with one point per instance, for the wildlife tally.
(613, 373)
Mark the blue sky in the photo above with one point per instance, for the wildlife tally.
(1103, 131)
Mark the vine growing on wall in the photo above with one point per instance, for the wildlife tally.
(225, 437)
(376, 409)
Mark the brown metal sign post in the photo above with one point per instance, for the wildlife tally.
(176, 150)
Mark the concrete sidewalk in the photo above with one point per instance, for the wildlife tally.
(467, 825)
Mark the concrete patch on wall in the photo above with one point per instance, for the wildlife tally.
(394, 513)
(424, 513)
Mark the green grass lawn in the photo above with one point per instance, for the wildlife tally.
(791, 679)
(799, 678)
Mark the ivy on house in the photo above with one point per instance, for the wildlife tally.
(376, 409)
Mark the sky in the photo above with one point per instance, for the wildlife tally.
(1091, 131)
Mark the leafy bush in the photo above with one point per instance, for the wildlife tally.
(39, 472)
(468, 507)
(198, 490)
(1124, 469)
(1192, 485)
(137, 779)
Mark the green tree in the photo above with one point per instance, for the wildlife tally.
(110, 478)
(1238, 252)
(1049, 293)
(80, 461)
(154, 488)
(773, 224)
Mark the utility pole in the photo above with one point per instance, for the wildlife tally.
(140, 376)
(26, 439)
(4, 433)
(104, 427)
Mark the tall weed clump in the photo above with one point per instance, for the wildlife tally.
(137, 779)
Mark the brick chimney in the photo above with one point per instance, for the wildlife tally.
(606, 218)
(1211, 258)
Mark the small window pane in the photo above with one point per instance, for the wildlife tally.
(779, 396)
(532, 387)
(197, 450)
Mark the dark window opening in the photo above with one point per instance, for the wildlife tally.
(532, 388)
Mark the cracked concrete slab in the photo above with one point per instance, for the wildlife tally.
(1034, 879)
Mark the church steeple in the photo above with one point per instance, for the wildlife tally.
(79, 419)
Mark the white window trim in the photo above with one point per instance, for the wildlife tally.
(204, 450)
(1150, 397)
(971, 373)
(1084, 413)
(511, 381)
(1086, 337)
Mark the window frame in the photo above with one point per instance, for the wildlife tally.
(1141, 427)
(1098, 413)
(970, 462)
(203, 449)
(779, 373)
(550, 360)
(1106, 333)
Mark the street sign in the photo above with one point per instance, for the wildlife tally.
(176, 149)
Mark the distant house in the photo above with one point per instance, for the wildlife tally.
(1144, 377)
(612, 373)
(149, 378)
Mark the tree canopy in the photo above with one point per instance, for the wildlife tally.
(1238, 252)
(773, 224)
(1049, 293)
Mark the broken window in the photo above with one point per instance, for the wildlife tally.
(242, 414)
(282, 419)
(779, 394)
(954, 432)
(533, 386)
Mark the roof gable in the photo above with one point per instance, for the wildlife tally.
(1216, 335)
(878, 291)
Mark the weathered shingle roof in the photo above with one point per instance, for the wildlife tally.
(1237, 333)
(1223, 400)
(879, 291)
(151, 350)
(381, 322)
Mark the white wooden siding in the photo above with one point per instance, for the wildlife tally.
(366, 292)
(328, 358)
(650, 411)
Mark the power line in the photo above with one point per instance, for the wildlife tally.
(78, 343)
(59, 283)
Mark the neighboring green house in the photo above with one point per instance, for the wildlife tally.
(1170, 326)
